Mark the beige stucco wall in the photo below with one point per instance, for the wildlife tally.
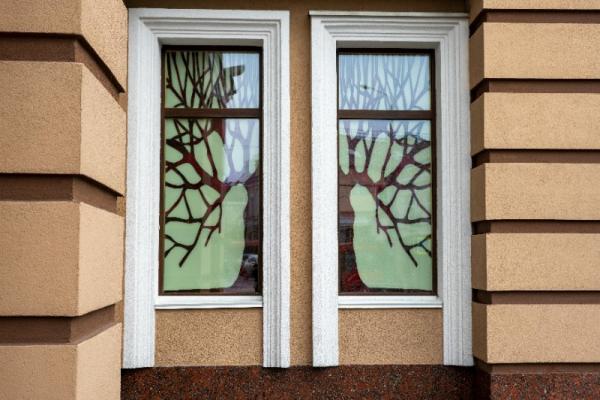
(536, 333)
(209, 337)
(59, 258)
(86, 370)
(60, 120)
(523, 190)
(104, 28)
(478, 5)
(390, 336)
(535, 121)
(63, 68)
(537, 215)
(535, 50)
(535, 261)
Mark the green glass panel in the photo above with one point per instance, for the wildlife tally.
(211, 79)
(384, 82)
(211, 205)
(385, 204)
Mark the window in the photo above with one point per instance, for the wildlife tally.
(211, 177)
(207, 171)
(386, 125)
(390, 171)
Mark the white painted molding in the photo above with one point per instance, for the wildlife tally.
(404, 14)
(448, 35)
(389, 302)
(143, 192)
(324, 198)
(194, 302)
(149, 28)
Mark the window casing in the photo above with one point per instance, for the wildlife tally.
(150, 29)
(445, 35)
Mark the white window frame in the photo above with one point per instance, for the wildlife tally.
(149, 28)
(447, 33)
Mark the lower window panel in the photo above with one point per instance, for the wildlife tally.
(211, 222)
(385, 202)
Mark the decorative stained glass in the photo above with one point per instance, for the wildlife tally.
(385, 175)
(384, 82)
(212, 224)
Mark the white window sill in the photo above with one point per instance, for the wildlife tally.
(389, 302)
(192, 302)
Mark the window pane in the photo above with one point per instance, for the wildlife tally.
(211, 79)
(384, 82)
(385, 205)
(212, 225)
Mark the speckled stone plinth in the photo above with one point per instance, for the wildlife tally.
(537, 386)
(355, 382)
(346, 382)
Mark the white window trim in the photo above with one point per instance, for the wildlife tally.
(389, 302)
(447, 33)
(191, 302)
(148, 29)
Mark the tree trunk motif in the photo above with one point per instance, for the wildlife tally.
(385, 180)
(212, 174)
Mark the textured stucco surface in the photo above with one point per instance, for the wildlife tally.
(62, 258)
(533, 333)
(300, 204)
(535, 51)
(103, 134)
(208, 337)
(88, 370)
(67, 124)
(536, 261)
(40, 126)
(535, 121)
(99, 365)
(476, 57)
(535, 191)
(390, 336)
(479, 328)
(478, 5)
(59, 258)
(100, 258)
(103, 25)
(225, 337)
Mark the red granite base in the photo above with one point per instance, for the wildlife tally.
(538, 386)
(346, 382)
(354, 382)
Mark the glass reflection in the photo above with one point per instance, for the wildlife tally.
(211, 79)
(384, 82)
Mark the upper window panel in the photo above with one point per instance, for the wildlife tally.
(379, 81)
(212, 79)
